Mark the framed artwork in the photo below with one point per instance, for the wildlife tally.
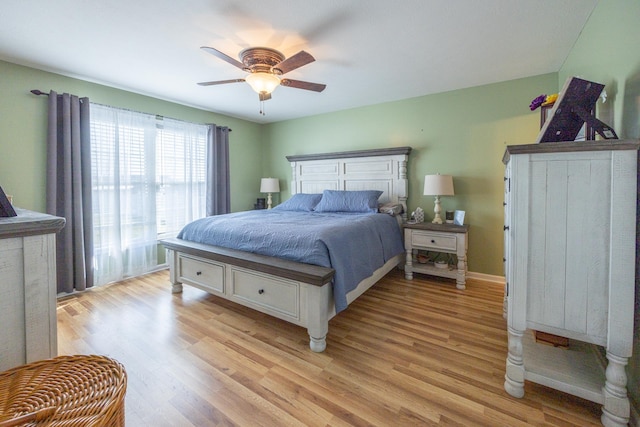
(571, 111)
(586, 132)
(6, 209)
(458, 218)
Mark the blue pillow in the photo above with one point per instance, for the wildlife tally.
(300, 202)
(349, 201)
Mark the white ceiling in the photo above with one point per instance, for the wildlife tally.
(367, 51)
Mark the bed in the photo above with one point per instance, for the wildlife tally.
(275, 281)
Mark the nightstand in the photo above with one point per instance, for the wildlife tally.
(443, 238)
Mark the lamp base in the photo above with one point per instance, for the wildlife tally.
(268, 200)
(436, 211)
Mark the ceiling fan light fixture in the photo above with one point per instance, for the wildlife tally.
(263, 82)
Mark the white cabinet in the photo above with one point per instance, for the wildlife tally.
(28, 330)
(570, 228)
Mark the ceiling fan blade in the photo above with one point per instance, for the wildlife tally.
(296, 61)
(298, 84)
(220, 82)
(223, 56)
(264, 96)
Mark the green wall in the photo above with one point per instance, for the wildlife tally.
(23, 124)
(607, 52)
(462, 133)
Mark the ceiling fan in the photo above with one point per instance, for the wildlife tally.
(265, 66)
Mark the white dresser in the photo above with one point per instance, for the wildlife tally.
(28, 329)
(570, 231)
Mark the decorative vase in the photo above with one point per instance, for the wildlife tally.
(419, 215)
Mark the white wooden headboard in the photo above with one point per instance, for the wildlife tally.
(380, 169)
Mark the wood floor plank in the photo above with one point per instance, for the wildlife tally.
(405, 353)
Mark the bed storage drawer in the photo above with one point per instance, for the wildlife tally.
(273, 294)
(433, 240)
(201, 273)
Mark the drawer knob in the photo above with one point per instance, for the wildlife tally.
(261, 291)
(198, 273)
(433, 241)
(506, 227)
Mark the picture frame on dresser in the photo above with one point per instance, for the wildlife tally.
(6, 209)
(572, 117)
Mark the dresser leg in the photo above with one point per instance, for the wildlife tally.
(514, 376)
(408, 266)
(616, 409)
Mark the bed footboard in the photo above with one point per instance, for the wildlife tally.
(294, 292)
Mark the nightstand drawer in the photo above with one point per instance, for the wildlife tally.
(433, 240)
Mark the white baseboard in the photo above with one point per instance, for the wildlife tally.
(486, 277)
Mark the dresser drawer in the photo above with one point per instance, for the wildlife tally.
(433, 240)
(206, 274)
(275, 295)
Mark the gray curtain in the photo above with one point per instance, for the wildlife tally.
(69, 188)
(217, 188)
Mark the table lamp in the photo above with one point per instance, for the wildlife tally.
(269, 185)
(438, 185)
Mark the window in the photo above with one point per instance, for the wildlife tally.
(180, 175)
(148, 179)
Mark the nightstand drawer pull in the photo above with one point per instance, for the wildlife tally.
(506, 227)
(261, 291)
(198, 273)
(433, 241)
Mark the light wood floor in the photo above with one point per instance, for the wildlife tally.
(406, 353)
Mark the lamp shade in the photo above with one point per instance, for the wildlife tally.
(438, 185)
(269, 185)
(263, 82)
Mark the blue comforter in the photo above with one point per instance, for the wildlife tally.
(354, 245)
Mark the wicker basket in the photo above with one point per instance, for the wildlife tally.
(67, 391)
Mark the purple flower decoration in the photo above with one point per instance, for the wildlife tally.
(537, 102)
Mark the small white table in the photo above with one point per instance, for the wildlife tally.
(445, 238)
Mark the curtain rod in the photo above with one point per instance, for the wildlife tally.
(158, 116)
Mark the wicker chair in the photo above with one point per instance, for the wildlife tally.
(69, 391)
